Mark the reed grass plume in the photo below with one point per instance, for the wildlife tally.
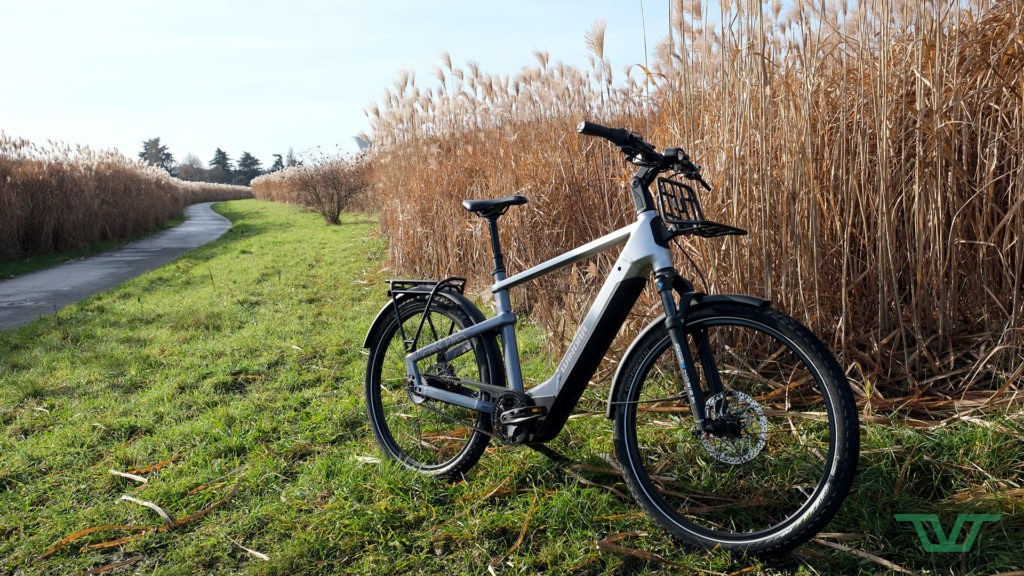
(875, 151)
(59, 197)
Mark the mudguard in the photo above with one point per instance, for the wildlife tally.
(495, 367)
(701, 302)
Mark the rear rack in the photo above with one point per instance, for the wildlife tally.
(681, 212)
(430, 288)
(397, 286)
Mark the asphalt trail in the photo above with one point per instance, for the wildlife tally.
(30, 296)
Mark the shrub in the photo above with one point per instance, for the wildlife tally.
(328, 187)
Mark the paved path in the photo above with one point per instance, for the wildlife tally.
(27, 297)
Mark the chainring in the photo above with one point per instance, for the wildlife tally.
(510, 433)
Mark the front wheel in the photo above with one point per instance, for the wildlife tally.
(784, 451)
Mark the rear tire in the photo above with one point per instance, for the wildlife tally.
(777, 481)
(425, 435)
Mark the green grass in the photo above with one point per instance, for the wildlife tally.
(240, 364)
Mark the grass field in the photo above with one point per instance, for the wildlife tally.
(231, 382)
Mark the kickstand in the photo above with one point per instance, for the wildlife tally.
(552, 455)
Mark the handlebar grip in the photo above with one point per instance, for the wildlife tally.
(617, 136)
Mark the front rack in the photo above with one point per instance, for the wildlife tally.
(681, 212)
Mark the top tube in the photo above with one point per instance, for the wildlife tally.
(589, 249)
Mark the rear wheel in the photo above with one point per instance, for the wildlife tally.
(426, 435)
(785, 448)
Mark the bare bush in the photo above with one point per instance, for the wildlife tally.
(327, 187)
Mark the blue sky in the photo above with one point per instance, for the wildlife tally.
(263, 76)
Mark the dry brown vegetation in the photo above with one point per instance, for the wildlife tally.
(875, 152)
(57, 197)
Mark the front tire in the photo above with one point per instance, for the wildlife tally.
(782, 472)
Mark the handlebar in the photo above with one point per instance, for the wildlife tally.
(641, 152)
(618, 136)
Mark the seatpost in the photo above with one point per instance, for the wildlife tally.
(499, 259)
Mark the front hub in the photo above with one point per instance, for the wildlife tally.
(737, 428)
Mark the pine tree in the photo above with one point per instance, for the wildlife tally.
(154, 154)
(248, 168)
(220, 167)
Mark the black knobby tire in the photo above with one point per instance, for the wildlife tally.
(428, 436)
(782, 478)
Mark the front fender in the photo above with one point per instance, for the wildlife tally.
(701, 302)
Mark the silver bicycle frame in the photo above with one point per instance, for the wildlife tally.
(640, 256)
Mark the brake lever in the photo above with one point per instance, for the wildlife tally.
(691, 171)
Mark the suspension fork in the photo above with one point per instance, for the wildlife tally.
(668, 282)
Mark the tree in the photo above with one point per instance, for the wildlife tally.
(192, 169)
(155, 154)
(220, 167)
(278, 164)
(248, 168)
(292, 161)
(330, 185)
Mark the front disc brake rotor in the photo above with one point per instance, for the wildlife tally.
(753, 428)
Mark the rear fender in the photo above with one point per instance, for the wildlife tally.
(490, 341)
(465, 304)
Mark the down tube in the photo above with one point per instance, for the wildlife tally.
(583, 363)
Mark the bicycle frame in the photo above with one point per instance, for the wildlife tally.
(641, 256)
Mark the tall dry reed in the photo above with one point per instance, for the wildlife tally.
(877, 153)
(874, 150)
(57, 197)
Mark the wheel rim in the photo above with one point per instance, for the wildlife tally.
(420, 432)
(780, 469)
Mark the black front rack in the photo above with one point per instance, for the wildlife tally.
(681, 212)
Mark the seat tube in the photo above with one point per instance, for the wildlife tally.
(674, 325)
(509, 345)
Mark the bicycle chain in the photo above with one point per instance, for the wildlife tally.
(427, 404)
